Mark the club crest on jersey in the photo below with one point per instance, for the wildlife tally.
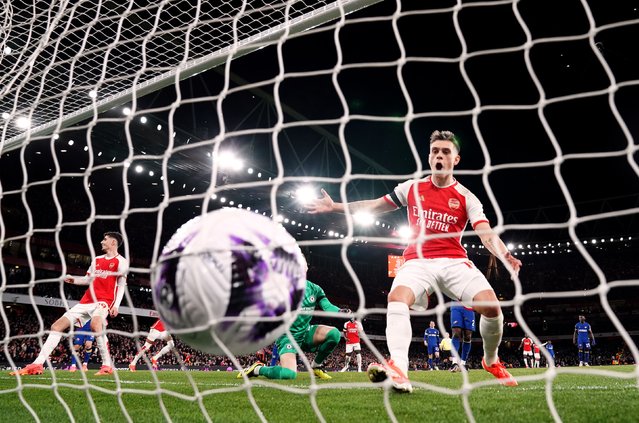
(111, 265)
(453, 203)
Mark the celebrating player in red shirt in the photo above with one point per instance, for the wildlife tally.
(107, 281)
(352, 328)
(527, 344)
(439, 208)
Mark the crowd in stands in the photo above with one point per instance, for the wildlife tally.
(26, 332)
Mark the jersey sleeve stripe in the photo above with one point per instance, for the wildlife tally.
(393, 200)
(480, 221)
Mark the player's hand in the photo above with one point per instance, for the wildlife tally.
(113, 312)
(593, 343)
(321, 205)
(514, 262)
(69, 279)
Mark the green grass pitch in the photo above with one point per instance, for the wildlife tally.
(595, 394)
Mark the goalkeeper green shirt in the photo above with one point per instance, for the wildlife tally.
(313, 295)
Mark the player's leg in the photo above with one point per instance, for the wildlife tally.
(57, 329)
(347, 358)
(324, 340)
(77, 343)
(288, 363)
(414, 281)
(148, 343)
(275, 356)
(358, 353)
(468, 328)
(436, 358)
(88, 350)
(491, 329)
(456, 342)
(168, 347)
(430, 358)
(587, 354)
(98, 326)
(464, 281)
(580, 350)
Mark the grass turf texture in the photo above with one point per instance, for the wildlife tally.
(578, 397)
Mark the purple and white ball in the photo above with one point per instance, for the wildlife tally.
(230, 276)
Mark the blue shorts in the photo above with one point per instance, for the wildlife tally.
(583, 345)
(462, 318)
(432, 349)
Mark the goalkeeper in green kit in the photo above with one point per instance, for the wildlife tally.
(319, 339)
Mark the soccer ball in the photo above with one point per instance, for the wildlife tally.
(232, 278)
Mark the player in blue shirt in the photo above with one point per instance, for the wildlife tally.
(583, 338)
(551, 350)
(462, 322)
(431, 340)
(82, 340)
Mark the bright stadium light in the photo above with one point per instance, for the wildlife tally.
(364, 218)
(404, 232)
(510, 246)
(139, 169)
(228, 160)
(23, 122)
(305, 194)
(126, 111)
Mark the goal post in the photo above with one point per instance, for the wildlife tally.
(155, 46)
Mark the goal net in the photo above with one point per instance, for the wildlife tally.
(138, 116)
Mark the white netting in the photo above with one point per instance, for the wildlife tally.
(121, 116)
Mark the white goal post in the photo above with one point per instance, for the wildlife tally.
(61, 65)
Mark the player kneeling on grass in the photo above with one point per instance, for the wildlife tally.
(319, 339)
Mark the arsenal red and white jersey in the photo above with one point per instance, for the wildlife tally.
(106, 272)
(438, 210)
(351, 332)
(158, 325)
(527, 344)
(536, 348)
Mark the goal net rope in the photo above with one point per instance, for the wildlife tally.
(123, 115)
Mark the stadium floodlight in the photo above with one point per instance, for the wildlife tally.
(93, 94)
(404, 232)
(305, 194)
(126, 111)
(23, 122)
(139, 169)
(143, 119)
(229, 161)
(5, 115)
(510, 246)
(364, 218)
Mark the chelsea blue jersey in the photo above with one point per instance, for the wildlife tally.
(431, 336)
(583, 329)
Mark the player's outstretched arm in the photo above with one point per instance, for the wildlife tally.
(327, 205)
(496, 246)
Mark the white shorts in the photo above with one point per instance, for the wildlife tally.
(79, 314)
(353, 347)
(156, 334)
(528, 353)
(457, 278)
(537, 356)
